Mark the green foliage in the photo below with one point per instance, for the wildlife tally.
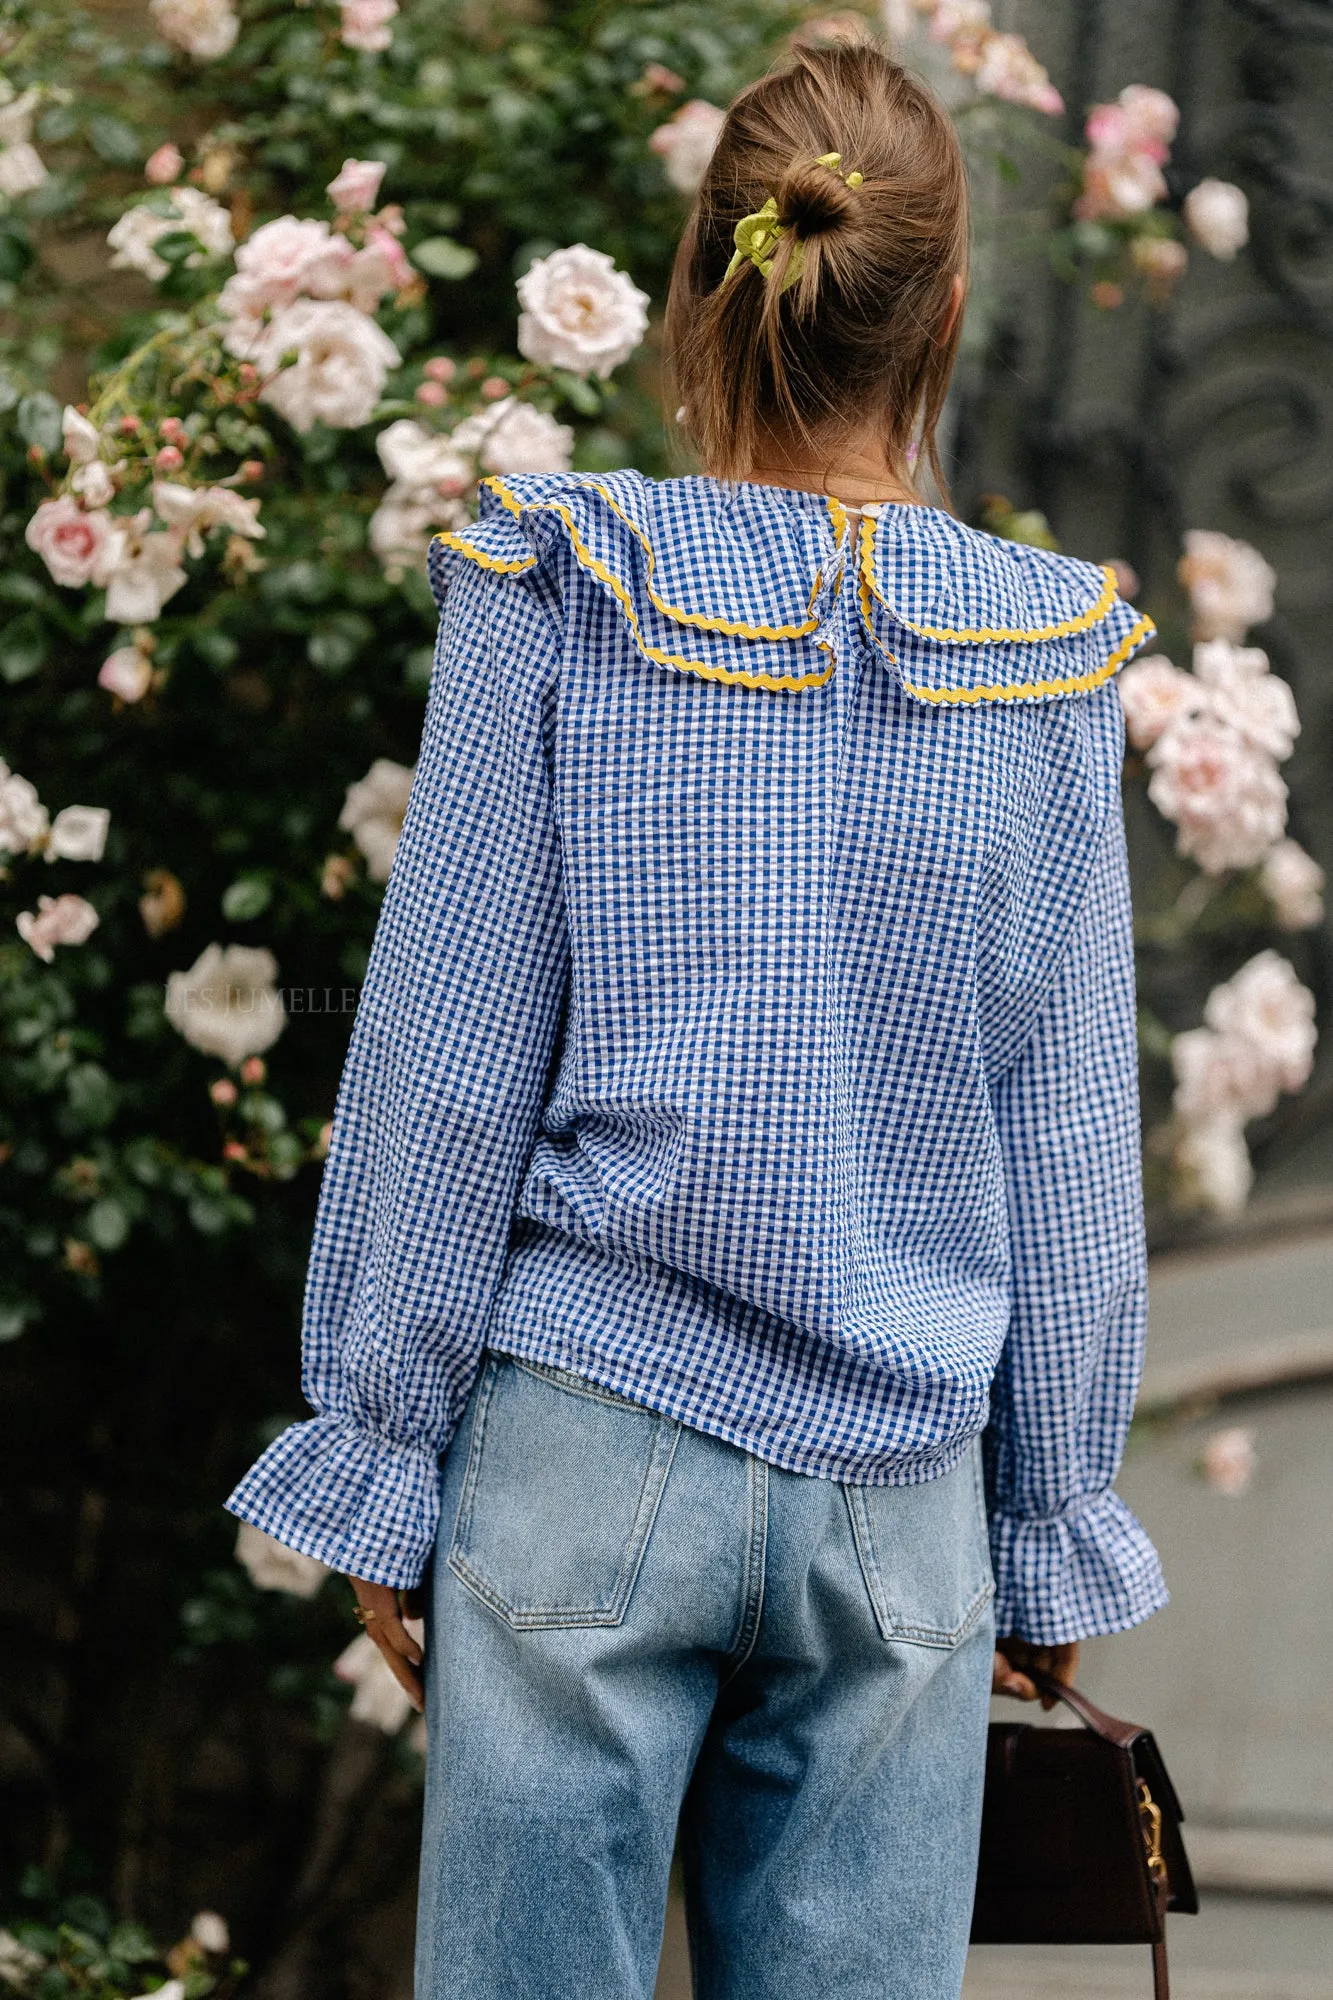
(60, 1944)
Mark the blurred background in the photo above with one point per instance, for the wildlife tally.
(261, 338)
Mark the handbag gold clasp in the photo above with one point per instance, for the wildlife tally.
(1151, 1815)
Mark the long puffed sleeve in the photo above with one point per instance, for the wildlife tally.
(1070, 1559)
(438, 1105)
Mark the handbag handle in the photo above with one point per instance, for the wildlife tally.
(1123, 1734)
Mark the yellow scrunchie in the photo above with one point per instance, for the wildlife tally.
(757, 236)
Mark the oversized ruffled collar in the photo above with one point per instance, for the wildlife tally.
(749, 584)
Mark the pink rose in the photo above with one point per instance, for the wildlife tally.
(1228, 1460)
(685, 143)
(354, 190)
(78, 545)
(1230, 585)
(1293, 882)
(126, 673)
(365, 24)
(1224, 797)
(164, 166)
(1265, 1005)
(1154, 694)
(1243, 693)
(56, 920)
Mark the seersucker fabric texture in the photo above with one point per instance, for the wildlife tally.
(749, 1027)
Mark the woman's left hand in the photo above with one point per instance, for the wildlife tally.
(1014, 1657)
(383, 1611)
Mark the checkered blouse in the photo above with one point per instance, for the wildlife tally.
(749, 1026)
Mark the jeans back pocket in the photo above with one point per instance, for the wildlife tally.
(925, 1553)
(562, 1487)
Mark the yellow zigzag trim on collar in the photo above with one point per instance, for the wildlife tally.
(998, 634)
(734, 628)
(780, 683)
(1034, 690)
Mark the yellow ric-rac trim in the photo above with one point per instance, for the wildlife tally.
(998, 634)
(734, 628)
(465, 548)
(780, 683)
(1034, 690)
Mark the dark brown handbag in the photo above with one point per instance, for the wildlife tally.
(1080, 1836)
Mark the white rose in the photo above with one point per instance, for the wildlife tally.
(78, 833)
(226, 1003)
(1220, 1077)
(526, 440)
(18, 1962)
(133, 236)
(400, 528)
(580, 312)
(82, 440)
(271, 1565)
(195, 509)
(420, 458)
(379, 1700)
(94, 484)
(341, 361)
(17, 115)
(1293, 882)
(79, 545)
(1225, 798)
(1245, 694)
(1218, 216)
(23, 817)
(1213, 1163)
(1230, 585)
(205, 29)
(1266, 1005)
(373, 813)
(275, 266)
(145, 578)
(210, 1932)
(356, 188)
(173, 1990)
(687, 141)
(21, 170)
(56, 920)
(1153, 694)
(127, 673)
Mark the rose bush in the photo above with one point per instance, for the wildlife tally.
(357, 257)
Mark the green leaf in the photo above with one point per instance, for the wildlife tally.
(116, 142)
(107, 1223)
(15, 255)
(9, 393)
(585, 398)
(442, 257)
(208, 1214)
(248, 896)
(23, 646)
(13, 1319)
(337, 639)
(176, 245)
(91, 1093)
(39, 420)
(132, 1944)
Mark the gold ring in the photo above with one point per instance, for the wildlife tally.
(363, 1614)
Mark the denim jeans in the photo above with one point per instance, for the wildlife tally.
(634, 1624)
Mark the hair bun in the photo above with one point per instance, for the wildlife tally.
(814, 198)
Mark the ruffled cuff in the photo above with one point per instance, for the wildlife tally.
(1071, 1576)
(360, 1503)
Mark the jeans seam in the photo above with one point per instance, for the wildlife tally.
(756, 1552)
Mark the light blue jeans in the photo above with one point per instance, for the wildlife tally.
(632, 1624)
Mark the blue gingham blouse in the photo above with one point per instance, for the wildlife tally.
(749, 1025)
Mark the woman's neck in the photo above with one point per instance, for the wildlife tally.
(856, 476)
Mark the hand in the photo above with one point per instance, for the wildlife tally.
(385, 1610)
(1013, 1659)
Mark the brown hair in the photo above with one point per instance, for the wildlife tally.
(865, 327)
